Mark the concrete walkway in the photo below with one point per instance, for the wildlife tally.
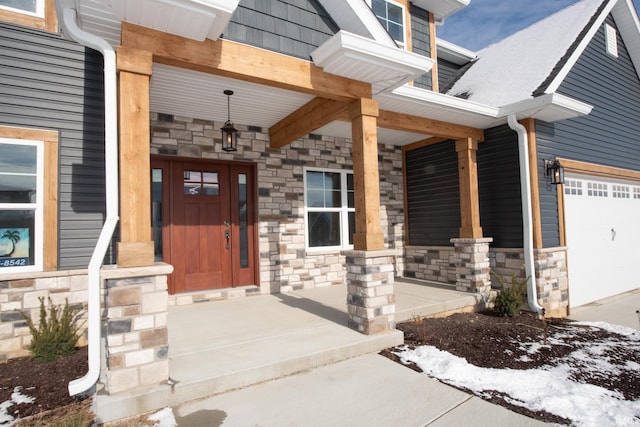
(369, 391)
(619, 310)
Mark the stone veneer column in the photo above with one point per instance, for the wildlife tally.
(370, 294)
(473, 271)
(135, 328)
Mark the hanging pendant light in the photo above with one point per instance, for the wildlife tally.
(229, 133)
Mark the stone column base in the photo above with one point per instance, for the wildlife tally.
(370, 294)
(473, 269)
(135, 327)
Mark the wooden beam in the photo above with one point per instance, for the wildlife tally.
(469, 196)
(536, 220)
(423, 143)
(366, 179)
(598, 170)
(409, 123)
(243, 62)
(434, 53)
(135, 248)
(311, 116)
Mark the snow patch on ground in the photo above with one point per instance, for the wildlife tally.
(551, 388)
(6, 417)
(163, 418)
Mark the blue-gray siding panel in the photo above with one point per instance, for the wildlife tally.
(50, 83)
(291, 27)
(609, 136)
(447, 72)
(420, 42)
(433, 196)
(499, 187)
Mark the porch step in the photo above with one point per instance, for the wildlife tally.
(221, 346)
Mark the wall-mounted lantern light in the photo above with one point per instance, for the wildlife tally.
(229, 133)
(555, 171)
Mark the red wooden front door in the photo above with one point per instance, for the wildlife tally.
(208, 224)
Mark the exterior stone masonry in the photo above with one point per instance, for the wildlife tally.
(135, 327)
(473, 273)
(21, 295)
(551, 275)
(370, 296)
(285, 264)
(433, 263)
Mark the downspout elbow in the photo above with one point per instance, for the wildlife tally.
(527, 226)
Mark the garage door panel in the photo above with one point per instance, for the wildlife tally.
(602, 226)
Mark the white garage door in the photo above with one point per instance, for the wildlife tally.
(602, 224)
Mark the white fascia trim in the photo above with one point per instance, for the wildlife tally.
(553, 106)
(454, 53)
(224, 11)
(555, 84)
(348, 45)
(442, 8)
(629, 27)
(424, 96)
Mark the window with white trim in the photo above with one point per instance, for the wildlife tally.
(27, 7)
(391, 16)
(21, 204)
(636, 192)
(330, 213)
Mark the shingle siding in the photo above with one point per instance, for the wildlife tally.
(433, 196)
(421, 41)
(609, 136)
(291, 27)
(53, 84)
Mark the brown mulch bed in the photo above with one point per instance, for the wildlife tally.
(488, 341)
(46, 382)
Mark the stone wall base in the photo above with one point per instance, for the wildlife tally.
(370, 293)
(434, 263)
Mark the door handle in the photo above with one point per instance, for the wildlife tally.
(227, 235)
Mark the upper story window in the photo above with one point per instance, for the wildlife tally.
(330, 214)
(391, 15)
(21, 204)
(38, 14)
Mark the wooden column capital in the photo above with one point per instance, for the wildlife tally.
(469, 195)
(134, 60)
(363, 107)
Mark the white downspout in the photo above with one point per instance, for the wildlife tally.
(527, 227)
(67, 16)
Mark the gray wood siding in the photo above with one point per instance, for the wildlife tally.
(421, 41)
(53, 84)
(433, 195)
(499, 187)
(609, 136)
(291, 27)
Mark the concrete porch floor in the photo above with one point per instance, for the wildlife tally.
(224, 345)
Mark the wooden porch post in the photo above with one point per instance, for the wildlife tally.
(366, 181)
(469, 198)
(135, 248)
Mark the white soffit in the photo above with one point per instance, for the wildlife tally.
(359, 58)
(454, 53)
(193, 19)
(441, 8)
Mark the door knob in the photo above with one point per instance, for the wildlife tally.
(227, 235)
